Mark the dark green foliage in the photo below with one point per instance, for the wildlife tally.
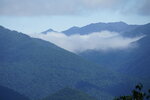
(137, 94)
(124, 98)
(69, 94)
(139, 87)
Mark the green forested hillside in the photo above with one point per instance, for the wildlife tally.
(38, 68)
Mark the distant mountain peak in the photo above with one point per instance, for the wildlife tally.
(47, 31)
(74, 27)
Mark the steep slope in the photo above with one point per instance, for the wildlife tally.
(37, 68)
(98, 27)
(69, 94)
(9, 94)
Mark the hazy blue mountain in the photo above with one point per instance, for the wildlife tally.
(37, 68)
(69, 94)
(133, 64)
(98, 27)
(138, 62)
(140, 30)
(134, 61)
(47, 31)
(9, 94)
(72, 30)
(111, 59)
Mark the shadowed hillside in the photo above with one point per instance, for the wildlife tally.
(69, 94)
(9, 94)
(37, 68)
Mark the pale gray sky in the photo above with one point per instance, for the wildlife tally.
(38, 15)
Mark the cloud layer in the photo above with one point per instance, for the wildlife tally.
(63, 7)
(103, 41)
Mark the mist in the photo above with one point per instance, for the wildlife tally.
(100, 41)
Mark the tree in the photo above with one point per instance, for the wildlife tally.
(137, 94)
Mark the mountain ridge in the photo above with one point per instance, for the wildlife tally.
(98, 27)
(36, 68)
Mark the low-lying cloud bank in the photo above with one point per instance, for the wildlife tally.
(103, 41)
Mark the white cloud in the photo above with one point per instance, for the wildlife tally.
(103, 41)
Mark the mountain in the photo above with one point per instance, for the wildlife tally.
(111, 59)
(9, 94)
(139, 61)
(72, 30)
(132, 64)
(69, 94)
(133, 61)
(47, 31)
(140, 30)
(98, 27)
(37, 68)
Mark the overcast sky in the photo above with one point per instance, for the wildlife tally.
(33, 16)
